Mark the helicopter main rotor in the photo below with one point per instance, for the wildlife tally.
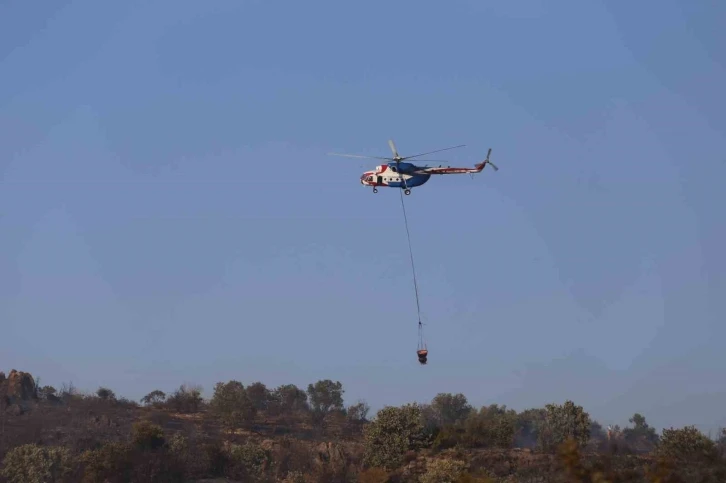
(397, 158)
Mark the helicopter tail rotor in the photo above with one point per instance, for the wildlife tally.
(486, 161)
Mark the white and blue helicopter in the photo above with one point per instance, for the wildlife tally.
(398, 174)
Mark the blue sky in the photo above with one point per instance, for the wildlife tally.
(168, 212)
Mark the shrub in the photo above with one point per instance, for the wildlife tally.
(562, 422)
(32, 463)
(106, 394)
(112, 463)
(443, 470)
(232, 404)
(146, 435)
(395, 431)
(247, 462)
(186, 399)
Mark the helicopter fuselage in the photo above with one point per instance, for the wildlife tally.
(392, 177)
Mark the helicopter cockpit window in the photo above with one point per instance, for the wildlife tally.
(393, 168)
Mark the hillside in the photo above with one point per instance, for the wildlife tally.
(287, 434)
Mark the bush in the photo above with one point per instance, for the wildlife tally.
(186, 399)
(106, 394)
(232, 404)
(443, 471)
(147, 436)
(291, 455)
(31, 463)
(112, 463)
(686, 444)
(395, 431)
(247, 462)
(563, 422)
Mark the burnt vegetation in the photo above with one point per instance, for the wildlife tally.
(252, 433)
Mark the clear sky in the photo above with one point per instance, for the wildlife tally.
(168, 212)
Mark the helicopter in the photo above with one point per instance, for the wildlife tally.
(404, 175)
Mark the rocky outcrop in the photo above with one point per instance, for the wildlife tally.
(17, 390)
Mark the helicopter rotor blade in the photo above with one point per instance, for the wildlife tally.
(432, 152)
(489, 162)
(393, 149)
(360, 156)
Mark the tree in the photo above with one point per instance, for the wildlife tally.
(186, 399)
(691, 455)
(394, 431)
(358, 412)
(641, 435)
(528, 426)
(154, 398)
(450, 408)
(259, 395)
(325, 396)
(232, 404)
(562, 422)
(47, 393)
(288, 398)
(686, 444)
(106, 394)
(494, 427)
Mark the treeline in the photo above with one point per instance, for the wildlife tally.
(260, 434)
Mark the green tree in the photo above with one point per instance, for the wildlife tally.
(686, 444)
(325, 396)
(259, 395)
(528, 425)
(186, 399)
(32, 463)
(232, 404)
(47, 392)
(493, 427)
(358, 412)
(562, 422)
(640, 435)
(154, 398)
(690, 455)
(106, 394)
(450, 408)
(393, 432)
(288, 398)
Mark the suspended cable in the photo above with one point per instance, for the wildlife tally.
(422, 350)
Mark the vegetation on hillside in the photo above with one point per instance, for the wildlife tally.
(252, 433)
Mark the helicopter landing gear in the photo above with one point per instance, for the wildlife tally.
(407, 191)
(375, 190)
